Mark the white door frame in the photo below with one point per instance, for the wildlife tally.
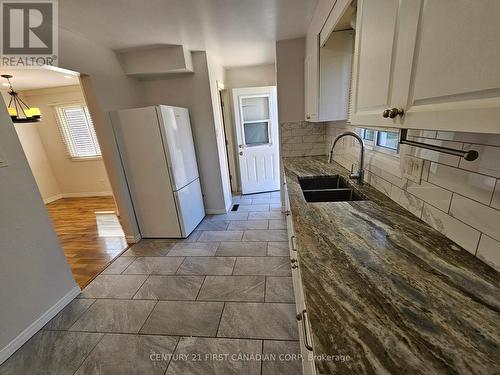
(268, 154)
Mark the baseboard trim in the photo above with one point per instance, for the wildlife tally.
(215, 211)
(38, 324)
(88, 194)
(133, 239)
(78, 195)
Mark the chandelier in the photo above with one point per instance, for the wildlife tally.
(19, 111)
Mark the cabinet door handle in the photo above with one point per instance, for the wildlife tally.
(308, 117)
(302, 316)
(294, 245)
(393, 112)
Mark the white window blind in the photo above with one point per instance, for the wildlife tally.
(78, 131)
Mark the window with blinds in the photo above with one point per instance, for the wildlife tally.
(78, 131)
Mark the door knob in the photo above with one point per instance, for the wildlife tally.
(241, 152)
(386, 113)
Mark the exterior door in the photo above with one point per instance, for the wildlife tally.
(256, 122)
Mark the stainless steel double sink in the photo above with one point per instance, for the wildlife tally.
(332, 188)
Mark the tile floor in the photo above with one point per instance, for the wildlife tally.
(193, 306)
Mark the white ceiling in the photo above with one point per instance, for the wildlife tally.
(238, 32)
(30, 79)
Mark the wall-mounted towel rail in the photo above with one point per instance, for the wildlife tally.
(467, 155)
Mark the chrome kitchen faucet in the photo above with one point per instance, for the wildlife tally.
(355, 176)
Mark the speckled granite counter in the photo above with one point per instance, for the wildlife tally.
(389, 291)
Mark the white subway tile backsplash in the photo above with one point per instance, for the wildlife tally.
(425, 172)
(291, 139)
(452, 228)
(378, 183)
(432, 194)
(495, 202)
(447, 196)
(438, 157)
(476, 138)
(477, 215)
(422, 133)
(314, 138)
(302, 138)
(473, 185)
(411, 168)
(407, 200)
(487, 163)
(489, 251)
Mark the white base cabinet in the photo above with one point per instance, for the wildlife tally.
(305, 339)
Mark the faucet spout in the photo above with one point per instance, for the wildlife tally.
(359, 175)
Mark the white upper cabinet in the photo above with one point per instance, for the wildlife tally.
(437, 60)
(455, 76)
(335, 61)
(373, 61)
(311, 77)
(328, 61)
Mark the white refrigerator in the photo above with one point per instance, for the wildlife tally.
(157, 153)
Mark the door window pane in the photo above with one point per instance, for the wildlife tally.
(255, 109)
(256, 133)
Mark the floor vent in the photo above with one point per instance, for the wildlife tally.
(235, 207)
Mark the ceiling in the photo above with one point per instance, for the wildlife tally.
(237, 32)
(30, 79)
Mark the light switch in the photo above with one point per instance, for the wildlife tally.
(411, 168)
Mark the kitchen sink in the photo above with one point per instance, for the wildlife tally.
(328, 189)
(322, 182)
(332, 195)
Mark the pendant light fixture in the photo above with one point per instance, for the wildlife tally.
(19, 111)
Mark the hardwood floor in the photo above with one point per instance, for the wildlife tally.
(89, 240)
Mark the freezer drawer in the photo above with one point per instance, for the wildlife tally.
(190, 208)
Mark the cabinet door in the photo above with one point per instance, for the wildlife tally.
(455, 66)
(335, 76)
(377, 23)
(311, 73)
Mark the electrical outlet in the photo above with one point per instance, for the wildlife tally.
(411, 168)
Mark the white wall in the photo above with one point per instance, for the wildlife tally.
(74, 177)
(290, 56)
(35, 278)
(251, 76)
(106, 88)
(34, 275)
(216, 76)
(240, 77)
(193, 91)
(35, 152)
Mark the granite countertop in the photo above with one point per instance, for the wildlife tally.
(387, 290)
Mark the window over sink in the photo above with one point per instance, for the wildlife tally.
(379, 140)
